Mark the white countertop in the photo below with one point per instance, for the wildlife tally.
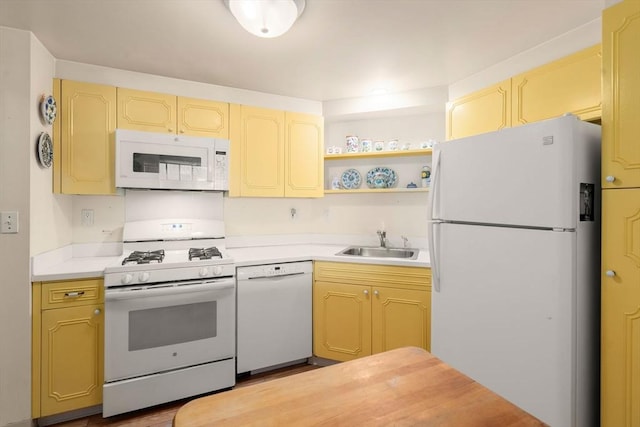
(65, 267)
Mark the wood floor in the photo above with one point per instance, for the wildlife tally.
(162, 415)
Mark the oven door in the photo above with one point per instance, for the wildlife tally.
(165, 327)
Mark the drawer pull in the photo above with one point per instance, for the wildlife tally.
(73, 294)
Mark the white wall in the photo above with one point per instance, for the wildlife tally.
(50, 213)
(16, 152)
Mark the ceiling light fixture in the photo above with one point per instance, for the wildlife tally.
(266, 18)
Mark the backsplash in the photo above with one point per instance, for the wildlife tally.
(400, 214)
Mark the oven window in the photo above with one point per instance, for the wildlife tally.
(149, 163)
(157, 327)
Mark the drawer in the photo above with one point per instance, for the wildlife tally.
(72, 293)
(417, 278)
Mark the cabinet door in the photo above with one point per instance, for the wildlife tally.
(569, 85)
(87, 138)
(341, 321)
(72, 358)
(621, 308)
(146, 111)
(399, 318)
(621, 95)
(480, 112)
(199, 117)
(261, 152)
(304, 156)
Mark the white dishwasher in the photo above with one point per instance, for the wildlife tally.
(274, 314)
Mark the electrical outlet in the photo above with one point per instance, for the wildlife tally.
(9, 222)
(86, 217)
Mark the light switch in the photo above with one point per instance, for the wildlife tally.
(9, 222)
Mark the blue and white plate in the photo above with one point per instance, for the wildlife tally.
(381, 177)
(45, 150)
(351, 179)
(48, 109)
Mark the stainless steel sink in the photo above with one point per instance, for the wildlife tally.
(378, 252)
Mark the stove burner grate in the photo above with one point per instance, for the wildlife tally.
(204, 253)
(142, 257)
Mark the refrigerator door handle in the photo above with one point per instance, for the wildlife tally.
(432, 200)
(435, 270)
(435, 175)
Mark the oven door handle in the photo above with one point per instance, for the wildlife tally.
(114, 294)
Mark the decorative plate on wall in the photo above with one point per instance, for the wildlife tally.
(45, 150)
(48, 109)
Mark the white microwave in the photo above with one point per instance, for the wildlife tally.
(171, 162)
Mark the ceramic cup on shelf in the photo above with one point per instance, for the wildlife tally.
(366, 145)
(335, 183)
(353, 144)
(378, 146)
(392, 145)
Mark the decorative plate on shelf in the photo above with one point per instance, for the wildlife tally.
(48, 109)
(45, 150)
(351, 179)
(381, 177)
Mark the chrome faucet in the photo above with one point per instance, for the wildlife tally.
(382, 235)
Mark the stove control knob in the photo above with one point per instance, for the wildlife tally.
(204, 271)
(143, 277)
(127, 278)
(217, 270)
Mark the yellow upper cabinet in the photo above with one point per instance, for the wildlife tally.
(621, 95)
(484, 111)
(87, 126)
(275, 154)
(200, 117)
(569, 85)
(257, 140)
(304, 155)
(159, 112)
(146, 111)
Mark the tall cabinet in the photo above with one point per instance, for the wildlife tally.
(620, 373)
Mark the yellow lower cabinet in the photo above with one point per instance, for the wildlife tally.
(68, 335)
(362, 309)
(399, 317)
(341, 321)
(620, 370)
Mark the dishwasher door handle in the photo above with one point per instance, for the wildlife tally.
(279, 276)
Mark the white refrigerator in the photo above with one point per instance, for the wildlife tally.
(514, 236)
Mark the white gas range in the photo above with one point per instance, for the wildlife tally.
(169, 314)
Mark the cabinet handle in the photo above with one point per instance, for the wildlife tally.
(376, 293)
(610, 178)
(181, 130)
(170, 130)
(73, 294)
(96, 311)
(610, 273)
(366, 292)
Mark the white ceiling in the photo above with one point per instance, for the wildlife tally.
(338, 48)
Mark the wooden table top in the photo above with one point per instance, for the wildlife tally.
(402, 387)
